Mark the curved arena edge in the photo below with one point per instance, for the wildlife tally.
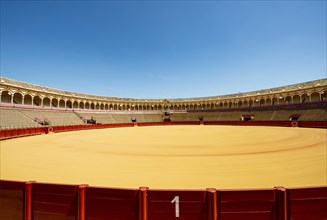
(35, 200)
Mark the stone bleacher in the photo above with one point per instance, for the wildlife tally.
(54, 117)
(13, 118)
(101, 118)
(314, 115)
(20, 117)
(116, 117)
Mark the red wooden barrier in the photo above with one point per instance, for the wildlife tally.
(81, 215)
(105, 203)
(37, 130)
(11, 200)
(9, 133)
(313, 124)
(52, 201)
(2, 134)
(33, 200)
(14, 133)
(212, 204)
(56, 128)
(247, 204)
(28, 209)
(307, 203)
(172, 204)
(34, 131)
(28, 131)
(21, 132)
(282, 212)
(143, 204)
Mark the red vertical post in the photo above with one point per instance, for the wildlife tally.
(28, 203)
(281, 199)
(82, 202)
(212, 204)
(143, 203)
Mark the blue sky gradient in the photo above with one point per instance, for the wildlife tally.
(163, 49)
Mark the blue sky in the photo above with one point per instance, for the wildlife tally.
(163, 49)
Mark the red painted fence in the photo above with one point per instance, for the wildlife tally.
(22, 132)
(307, 203)
(32, 200)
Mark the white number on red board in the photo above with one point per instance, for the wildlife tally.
(176, 201)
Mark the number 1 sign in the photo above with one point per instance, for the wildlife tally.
(176, 201)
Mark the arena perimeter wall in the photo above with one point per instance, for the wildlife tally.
(22, 132)
(43, 201)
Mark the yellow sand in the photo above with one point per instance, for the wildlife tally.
(182, 157)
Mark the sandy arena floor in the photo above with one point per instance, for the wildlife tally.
(182, 157)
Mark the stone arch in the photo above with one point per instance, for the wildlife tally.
(18, 98)
(37, 100)
(87, 105)
(262, 102)
(54, 102)
(296, 99)
(6, 97)
(213, 105)
(305, 98)
(62, 103)
(75, 104)
(315, 97)
(69, 104)
(28, 99)
(82, 105)
(251, 103)
(281, 100)
(288, 100)
(46, 102)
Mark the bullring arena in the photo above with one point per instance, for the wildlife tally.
(262, 153)
(164, 157)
